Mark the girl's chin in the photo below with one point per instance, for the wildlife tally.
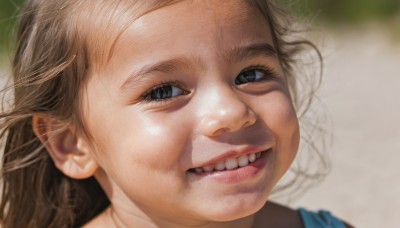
(235, 210)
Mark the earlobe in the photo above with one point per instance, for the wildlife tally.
(69, 151)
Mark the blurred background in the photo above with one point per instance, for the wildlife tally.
(360, 43)
(8, 17)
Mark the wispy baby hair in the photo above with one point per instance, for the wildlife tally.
(58, 42)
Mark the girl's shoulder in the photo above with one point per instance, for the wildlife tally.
(276, 215)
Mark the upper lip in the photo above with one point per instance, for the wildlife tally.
(235, 153)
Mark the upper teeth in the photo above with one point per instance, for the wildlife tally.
(230, 163)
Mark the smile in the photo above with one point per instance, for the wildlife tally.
(229, 163)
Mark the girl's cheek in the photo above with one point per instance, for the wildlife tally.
(290, 132)
(160, 139)
(281, 118)
(277, 109)
(290, 122)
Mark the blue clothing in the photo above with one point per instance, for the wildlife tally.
(320, 219)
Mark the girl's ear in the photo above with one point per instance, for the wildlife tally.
(70, 152)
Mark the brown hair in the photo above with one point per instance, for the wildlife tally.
(55, 48)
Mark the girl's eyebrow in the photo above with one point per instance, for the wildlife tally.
(166, 66)
(252, 50)
(232, 55)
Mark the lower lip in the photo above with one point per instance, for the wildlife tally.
(238, 175)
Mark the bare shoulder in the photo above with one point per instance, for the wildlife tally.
(276, 215)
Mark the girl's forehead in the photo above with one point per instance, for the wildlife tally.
(108, 25)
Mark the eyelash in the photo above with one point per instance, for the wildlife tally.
(164, 84)
(267, 71)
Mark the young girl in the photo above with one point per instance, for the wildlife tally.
(151, 114)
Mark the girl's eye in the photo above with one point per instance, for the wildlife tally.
(163, 92)
(251, 75)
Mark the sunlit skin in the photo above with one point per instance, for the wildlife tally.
(145, 147)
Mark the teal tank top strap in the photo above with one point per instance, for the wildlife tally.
(320, 219)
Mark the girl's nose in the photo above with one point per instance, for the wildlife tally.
(228, 113)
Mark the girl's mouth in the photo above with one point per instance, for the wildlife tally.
(231, 163)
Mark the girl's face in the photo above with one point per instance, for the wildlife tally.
(191, 117)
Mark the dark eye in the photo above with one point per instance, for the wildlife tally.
(252, 75)
(162, 92)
